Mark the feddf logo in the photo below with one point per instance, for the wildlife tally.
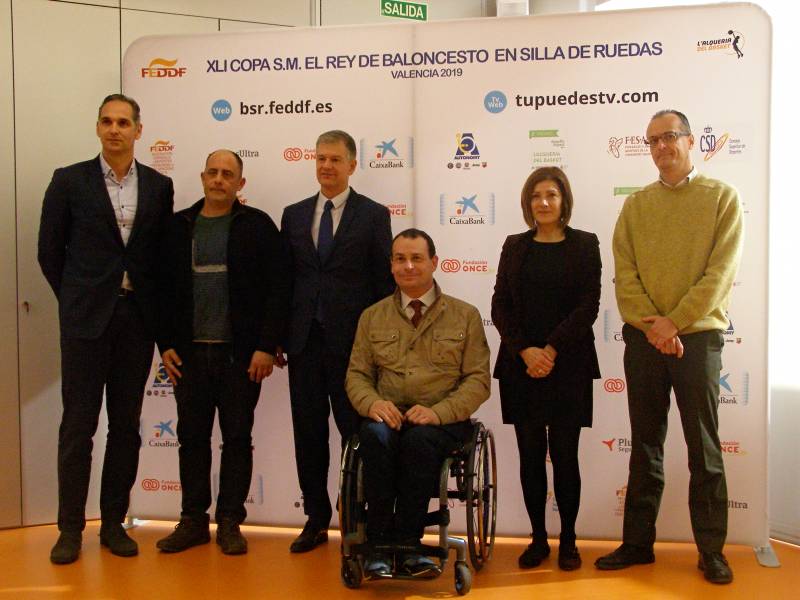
(161, 156)
(495, 101)
(475, 209)
(161, 67)
(221, 110)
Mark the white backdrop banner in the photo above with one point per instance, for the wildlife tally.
(450, 118)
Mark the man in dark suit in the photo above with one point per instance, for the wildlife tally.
(98, 248)
(340, 247)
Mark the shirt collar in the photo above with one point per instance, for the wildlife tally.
(338, 200)
(427, 298)
(692, 174)
(109, 172)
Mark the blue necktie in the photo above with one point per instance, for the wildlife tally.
(325, 238)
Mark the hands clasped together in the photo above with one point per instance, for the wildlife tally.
(387, 412)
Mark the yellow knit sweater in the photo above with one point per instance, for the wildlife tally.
(676, 251)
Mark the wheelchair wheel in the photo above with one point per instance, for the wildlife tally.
(348, 489)
(463, 579)
(481, 498)
(351, 573)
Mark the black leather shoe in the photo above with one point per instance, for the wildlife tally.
(116, 539)
(625, 556)
(533, 555)
(715, 567)
(377, 565)
(230, 538)
(311, 537)
(420, 566)
(67, 548)
(569, 558)
(188, 532)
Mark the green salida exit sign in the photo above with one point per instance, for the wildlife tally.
(404, 10)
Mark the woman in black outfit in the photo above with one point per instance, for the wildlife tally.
(545, 301)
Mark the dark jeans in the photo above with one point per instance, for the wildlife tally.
(695, 380)
(316, 385)
(404, 465)
(533, 442)
(213, 380)
(119, 361)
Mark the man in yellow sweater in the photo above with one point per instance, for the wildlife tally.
(676, 245)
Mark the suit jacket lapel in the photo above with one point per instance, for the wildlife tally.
(306, 221)
(100, 190)
(143, 199)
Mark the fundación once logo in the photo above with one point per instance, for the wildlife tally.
(495, 101)
(161, 68)
(221, 110)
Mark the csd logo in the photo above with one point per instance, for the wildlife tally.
(614, 385)
(150, 485)
(293, 154)
(450, 265)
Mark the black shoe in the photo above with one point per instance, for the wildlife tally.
(377, 565)
(420, 566)
(533, 556)
(569, 558)
(230, 538)
(188, 532)
(67, 548)
(116, 539)
(311, 537)
(625, 556)
(715, 567)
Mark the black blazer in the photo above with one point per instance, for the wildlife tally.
(258, 282)
(81, 251)
(356, 274)
(573, 338)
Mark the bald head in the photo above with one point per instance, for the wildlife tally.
(235, 156)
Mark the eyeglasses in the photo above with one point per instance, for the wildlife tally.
(669, 138)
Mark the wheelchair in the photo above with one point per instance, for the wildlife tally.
(468, 475)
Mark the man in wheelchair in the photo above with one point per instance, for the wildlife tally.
(418, 369)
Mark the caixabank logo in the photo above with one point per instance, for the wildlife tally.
(464, 265)
(163, 435)
(730, 42)
(255, 494)
(732, 392)
(469, 209)
(612, 326)
(389, 153)
(162, 68)
(160, 384)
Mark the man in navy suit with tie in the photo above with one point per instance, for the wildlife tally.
(101, 224)
(340, 247)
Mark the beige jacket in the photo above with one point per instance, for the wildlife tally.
(444, 364)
